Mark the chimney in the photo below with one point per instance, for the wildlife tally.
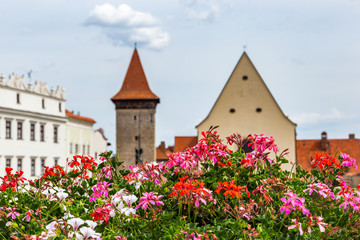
(162, 146)
(352, 136)
(324, 144)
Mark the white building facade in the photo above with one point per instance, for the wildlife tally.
(35, 129)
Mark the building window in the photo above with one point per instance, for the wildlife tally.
(232, 110)
(8, 129)
(258, 110)
(138, 155)
(19, 167)
(42, 133)
(32, 131)
(59, 107)
(135, 117)
(42, 165)
(56, 161)
(43, 103)
(33, 162)
(96, 155)
(18, 98)
(83, 152)
(71, 150)
(245, 77)
(19, 130)
(76, 149)
(88, 149)
(55, 134)
(8, 162)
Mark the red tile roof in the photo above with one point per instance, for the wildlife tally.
(183, 142)
(307, 148)
(162, 152)
(135, 85)
(70, 114)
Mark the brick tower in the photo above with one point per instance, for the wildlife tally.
(135, 105)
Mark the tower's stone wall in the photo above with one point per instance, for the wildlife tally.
(135, 129)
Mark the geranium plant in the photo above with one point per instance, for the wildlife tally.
(205, 192)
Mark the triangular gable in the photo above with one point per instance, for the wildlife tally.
(234, 86)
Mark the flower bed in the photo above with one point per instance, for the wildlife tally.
(206, 192)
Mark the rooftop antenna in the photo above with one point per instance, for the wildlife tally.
(245, 47)
(135, 44)
(29, 74)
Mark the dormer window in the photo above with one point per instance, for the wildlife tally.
(18, 98)
(43, 103)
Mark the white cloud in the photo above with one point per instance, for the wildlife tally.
(312, 118)
(209, 13)
(203, 10)
(124, 25)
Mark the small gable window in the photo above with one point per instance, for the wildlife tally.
(258, 110)
(245, 77)
(232, 110)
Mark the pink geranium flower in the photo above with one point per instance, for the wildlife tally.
(297, 224)
(28, 215)
(13, 214)
(149, 198)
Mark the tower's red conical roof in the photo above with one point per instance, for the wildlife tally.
(135, 85)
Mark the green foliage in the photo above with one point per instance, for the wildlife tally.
(207, 192)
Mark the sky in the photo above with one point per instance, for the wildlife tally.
(307, 52)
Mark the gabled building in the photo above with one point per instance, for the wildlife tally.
(135, 105)
(245, 105)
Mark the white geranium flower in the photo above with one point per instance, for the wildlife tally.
(91, 224)
(75, 223)
(51, 227)
(62, 195)
(86, 233)
(130, 199)
(128, 210)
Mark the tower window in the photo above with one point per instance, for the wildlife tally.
(258, 110)
(245, 77)
(43, 103)
(59, 107)
(18, 98)
(232, 110)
